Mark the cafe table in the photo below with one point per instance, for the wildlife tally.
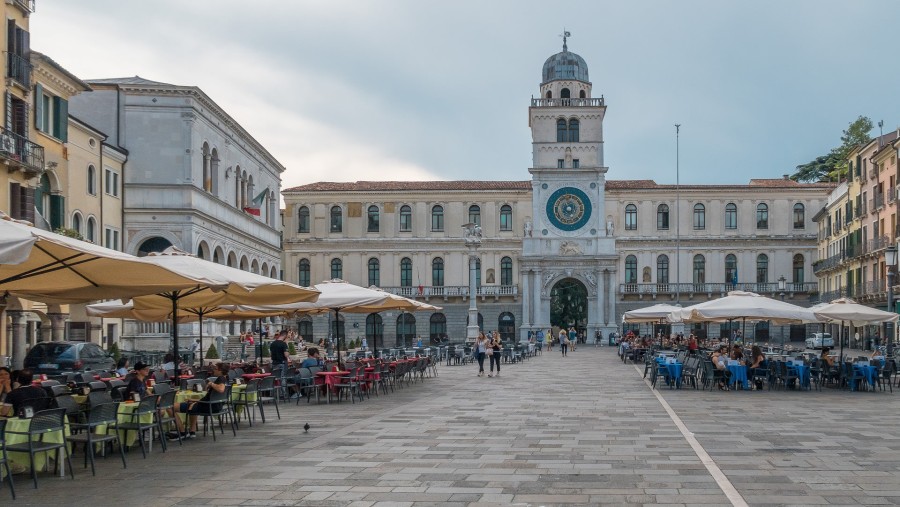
(738, 374)
(332, 378)
(41, 459)
(868, 371)
(251, 376)
(802, 371)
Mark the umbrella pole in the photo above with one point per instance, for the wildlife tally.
(337, 332)
(175, 329)
(200, 350)
(841, 334)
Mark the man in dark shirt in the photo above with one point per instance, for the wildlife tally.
(23, 396)
(137, 383)
(279, 350)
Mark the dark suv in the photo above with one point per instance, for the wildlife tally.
(56, 357)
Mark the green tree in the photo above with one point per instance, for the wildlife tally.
(568, 304)
(211, 352)
(834, 165)
(114, 351)
(292, 349)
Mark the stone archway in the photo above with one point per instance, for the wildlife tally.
(569, 304)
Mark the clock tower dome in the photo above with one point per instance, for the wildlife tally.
(569, 242)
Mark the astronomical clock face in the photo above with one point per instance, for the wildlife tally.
(568, 209)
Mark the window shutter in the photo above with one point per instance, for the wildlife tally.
(10, 40)
(39, 108)
(9, 111)
(39, 201)
(27, 203)
(63, 119)
(15, 200)
(57, 211)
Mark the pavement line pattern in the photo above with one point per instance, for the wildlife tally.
(721, 480)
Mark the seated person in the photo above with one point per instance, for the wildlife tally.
(169, 365)
(217, 382)
(137, 383)
(737, 353)
(24, 395)
(5, 383)
(757, 365)
(720, 362)
(313, 358)
(826, 358)
(122, 367)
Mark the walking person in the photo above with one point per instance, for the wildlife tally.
(563, 342)
(550, 339)
(573, 337)
(481, 348)
(496, 350)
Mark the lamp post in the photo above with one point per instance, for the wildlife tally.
(677, 215)
(890, 261)
(472, 236)
(781, 286)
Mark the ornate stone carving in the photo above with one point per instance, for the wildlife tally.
(569, 248)
(589, 276)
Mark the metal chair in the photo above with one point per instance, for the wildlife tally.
(101, 427)
(165, 412)
(248, 399)
(218, 406)
(4, 460)
(268, 393)
(45, 424)
(145, 409)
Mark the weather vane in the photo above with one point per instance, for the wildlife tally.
(565, 35)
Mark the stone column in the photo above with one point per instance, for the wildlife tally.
(527, 317)
(18, 338)
(610, 317)
(57, 326)
(601, 298)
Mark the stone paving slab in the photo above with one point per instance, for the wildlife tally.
(580, 430)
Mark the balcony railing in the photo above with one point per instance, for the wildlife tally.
(17, 152)
(447, 291)
(18, 68)
(25, 5)
(573, 102)
(877, 201)
(769, 288)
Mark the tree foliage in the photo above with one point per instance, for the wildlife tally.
(834, 165)
(568, 304)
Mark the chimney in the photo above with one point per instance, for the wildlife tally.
(786, 177)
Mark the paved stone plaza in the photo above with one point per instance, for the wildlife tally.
(584, 429)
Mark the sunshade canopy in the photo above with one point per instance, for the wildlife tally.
(68, 270)
(848, 310)
(15, 243)
(338, 295)
(653, 313)
(126, 310)
(747, 305)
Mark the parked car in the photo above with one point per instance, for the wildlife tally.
(56, 357)
(819, 340)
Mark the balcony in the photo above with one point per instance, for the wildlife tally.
(18, 153)
(877, 201)
(573, 102)
(18, 68)
(861, 210)
(448, 291)
(876, 245)
(669, 289)
(829, 263)
(27, 6)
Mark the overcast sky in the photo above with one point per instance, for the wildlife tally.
(378, 90)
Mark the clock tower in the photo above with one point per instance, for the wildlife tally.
(569, 245)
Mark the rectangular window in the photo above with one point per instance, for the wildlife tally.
(112, 239)
(50, 114)
(112, 183)
(560, 163)
(576, 163)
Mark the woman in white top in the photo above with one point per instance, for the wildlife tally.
(481, 346)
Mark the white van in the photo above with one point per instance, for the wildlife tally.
(819, 340)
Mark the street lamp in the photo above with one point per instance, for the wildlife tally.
(890, 260)
(781, 286)
(472, 236)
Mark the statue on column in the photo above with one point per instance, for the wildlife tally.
(610, 226)
(528, 228)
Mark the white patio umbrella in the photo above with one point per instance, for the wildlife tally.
(15, 243)
(746, 305)
(848, 310)
(60, 269)
(653, 314)
(219, 285)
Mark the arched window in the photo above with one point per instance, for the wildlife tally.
(303, 219)
(549, 94)
(630, 217)
(762, 216)
(564, 93)
(662, 217)
(662, 269)
(373, 219)
(374, 330)
(437, 328)
(92, 180)
(573, 130)
(406, 329)
(337, 220)
(405, 272)
(437, 272)
(477, 273)
(731, 270)
(474, 214)
(762, 268)
(374, 272)
(699, 216)
(405, 218)
(561, 131)
(437, 218)
(506, 275)
(631, 269)
(303, 275)
(506, 222)
(798, 269)
(506, 326)
(731, 216)
(699, 269)
(337, 268)
(799, 216)
(76, 222)
(581, 94)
